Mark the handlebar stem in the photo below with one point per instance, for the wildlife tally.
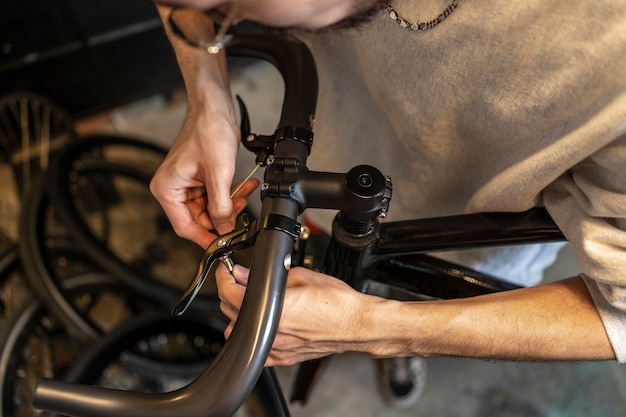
(362, 194)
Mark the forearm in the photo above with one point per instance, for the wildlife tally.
(205, 75)
(551, 322)
(193, 184)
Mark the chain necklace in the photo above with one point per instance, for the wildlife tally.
(422, 25)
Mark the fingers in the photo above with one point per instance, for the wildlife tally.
(189, 212)
(223, 210)
(241, 275)
(220, 208)
(308, 325)
(185, 208)
(231, 289)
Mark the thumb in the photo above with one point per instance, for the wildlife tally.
(220, 208)
(241, 273)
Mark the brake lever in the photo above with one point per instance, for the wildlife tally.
(261, 145)
(221, 248)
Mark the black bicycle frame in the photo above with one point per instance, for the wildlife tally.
(401, 256)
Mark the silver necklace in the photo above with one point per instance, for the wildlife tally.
(422, 25)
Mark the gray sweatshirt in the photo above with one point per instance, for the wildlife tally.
(501, 107)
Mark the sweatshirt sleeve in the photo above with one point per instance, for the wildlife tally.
(588, 203)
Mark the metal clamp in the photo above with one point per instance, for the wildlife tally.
(283, 224)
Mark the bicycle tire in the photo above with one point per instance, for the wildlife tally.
(34, 251)
(42, 278)
(32, 340)
(65, 169)
(266, 398)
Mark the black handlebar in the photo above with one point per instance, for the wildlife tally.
(223, 387)
(297, 67)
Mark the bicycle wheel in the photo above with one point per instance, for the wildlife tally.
(173, 352)
(48, 256)
(34, 345)
(104, 195)
(31, 127)
(142, 249)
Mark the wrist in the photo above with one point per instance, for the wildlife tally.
(382, 329)
(211, 104)
(403, 328)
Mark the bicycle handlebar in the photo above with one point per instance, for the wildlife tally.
(227, 382)
(297, 67)
(222, 388)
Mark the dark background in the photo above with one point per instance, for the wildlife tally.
(85, 55)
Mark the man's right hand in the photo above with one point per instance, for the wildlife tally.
(193, 182)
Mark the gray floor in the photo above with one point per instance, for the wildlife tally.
(455, 387)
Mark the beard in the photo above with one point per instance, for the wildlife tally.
(362, 14)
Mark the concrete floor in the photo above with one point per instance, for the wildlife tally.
(455, 387)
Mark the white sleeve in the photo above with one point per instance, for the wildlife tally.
(614, 319)
(589, 205)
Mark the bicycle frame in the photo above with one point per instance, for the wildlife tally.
(362, 196)
(400, 255)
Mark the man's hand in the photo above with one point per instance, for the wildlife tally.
(320, 317)
(193, 183)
